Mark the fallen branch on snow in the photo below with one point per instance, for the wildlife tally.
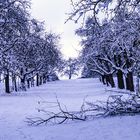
(115, 105)
(56, 118)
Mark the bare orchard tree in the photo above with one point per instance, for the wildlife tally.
(70, 67)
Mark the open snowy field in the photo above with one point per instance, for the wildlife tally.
(14, 110)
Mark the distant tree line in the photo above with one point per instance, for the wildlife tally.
(27, 52)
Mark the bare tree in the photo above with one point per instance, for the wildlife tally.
(70, 67)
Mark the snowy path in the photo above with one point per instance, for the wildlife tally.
(14, 110)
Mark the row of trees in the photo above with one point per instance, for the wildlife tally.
(27, 52)
(111, 43)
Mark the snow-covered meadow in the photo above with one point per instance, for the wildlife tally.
(15, 108)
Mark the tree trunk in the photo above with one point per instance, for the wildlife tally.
(111, 80)
(129, 81)
(103, 79)
(129, 76)
(137, 86)
(32, 82)
(23, 87)
(28, 83)
(107, 80)
(70, 76)
(120, 79)
(22, 80)
(44, 79)
(14, 83)
(37, 79)
(7, 85)
(41, 80)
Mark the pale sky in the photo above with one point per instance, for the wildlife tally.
(53, 12)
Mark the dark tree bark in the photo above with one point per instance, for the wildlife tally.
(107, 80)
(16, 89)
(129, 81)
(37, 79)
(103, 79)
(120, 79)
(28, 83)
(7, 84)
(109, 77)
(40, 80)
(44, 79)
(137, 85)
(119, 73)
(111, 80)
(69, 76)
(129, 76)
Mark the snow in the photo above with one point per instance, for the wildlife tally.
(15, 108)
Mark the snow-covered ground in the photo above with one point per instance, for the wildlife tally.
(14, 110)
